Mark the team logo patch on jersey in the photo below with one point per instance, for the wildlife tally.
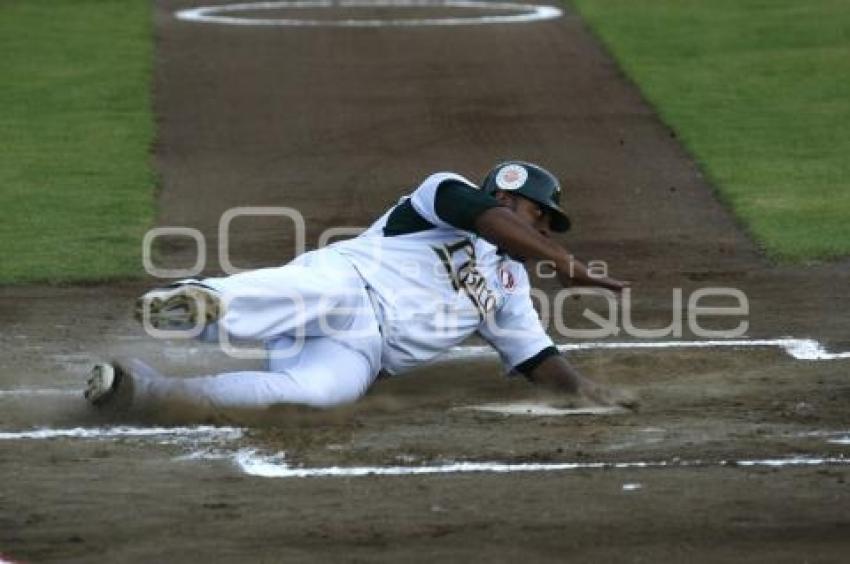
(511, 177)
(507, 279)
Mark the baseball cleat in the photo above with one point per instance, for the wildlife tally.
(180, 307)
(103, 383)
(112, 385)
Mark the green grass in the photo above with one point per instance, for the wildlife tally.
(76, 183)
(759, 91)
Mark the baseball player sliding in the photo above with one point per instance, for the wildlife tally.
(442, 264)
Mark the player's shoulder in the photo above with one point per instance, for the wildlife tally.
(423, 200)
(434, 180)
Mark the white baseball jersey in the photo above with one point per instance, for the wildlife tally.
(434, 287)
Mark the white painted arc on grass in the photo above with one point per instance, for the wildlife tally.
(799, 349)
(529, 13)
(270, 466)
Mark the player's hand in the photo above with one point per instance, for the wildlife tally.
(609, 396)
(615, 285)
(600, 282)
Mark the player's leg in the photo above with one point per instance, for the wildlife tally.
(308, 296)
(317, 294)
(325, 373)
(179, 307)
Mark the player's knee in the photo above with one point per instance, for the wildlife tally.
(326, 397)
(334, 392)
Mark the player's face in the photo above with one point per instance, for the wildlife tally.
(531, 212)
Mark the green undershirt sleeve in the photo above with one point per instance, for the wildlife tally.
(527, 367)
(459, 204)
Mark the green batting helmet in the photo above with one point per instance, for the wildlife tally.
(532, 182)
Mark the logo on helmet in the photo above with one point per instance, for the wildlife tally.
(511, 177)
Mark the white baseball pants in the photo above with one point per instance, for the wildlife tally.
(318, 327)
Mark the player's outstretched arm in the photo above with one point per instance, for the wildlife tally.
(502, 227)
(557, 374)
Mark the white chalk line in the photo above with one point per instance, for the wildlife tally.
(799, 349)
(40, 392)
(541, 409)
(264, 466)
(529, 13)
(274, 466)
(203, 432)
(822, 433)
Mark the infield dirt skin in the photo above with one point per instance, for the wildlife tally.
(338, 124)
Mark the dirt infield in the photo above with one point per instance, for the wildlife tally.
(338, 123)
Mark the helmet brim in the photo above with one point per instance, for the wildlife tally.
(558, 219)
